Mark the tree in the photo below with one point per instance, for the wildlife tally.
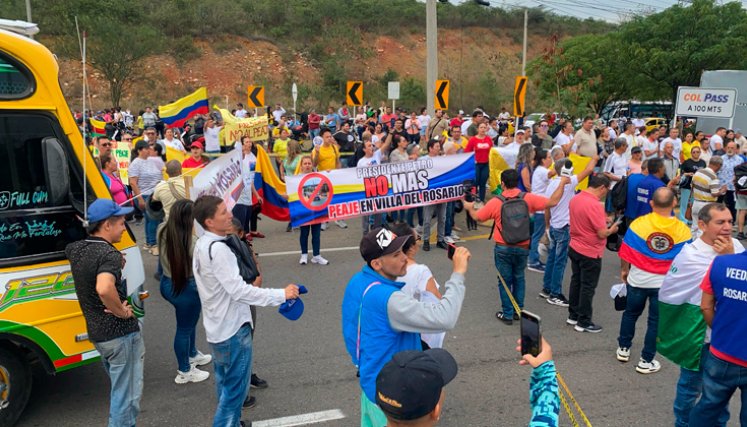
(117, 55)
(581, 74)
(673, 48)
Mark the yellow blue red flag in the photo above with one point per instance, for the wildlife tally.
(177, 113)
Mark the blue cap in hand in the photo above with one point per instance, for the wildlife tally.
(293, 309)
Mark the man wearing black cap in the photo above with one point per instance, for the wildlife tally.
(379, 320)
(409, 389)
(97, 271)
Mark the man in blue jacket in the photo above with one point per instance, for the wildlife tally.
(379, 320)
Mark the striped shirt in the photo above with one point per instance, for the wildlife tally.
(705, 185)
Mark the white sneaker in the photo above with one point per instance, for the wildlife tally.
(318, 259)
(419, 229)
(324, 226)
(304, 259)
(644, 367)
(449, 239)
(200, 359)
(341, 224)
(455, 237)
(193, 376)
(154, 251)
(623, 354)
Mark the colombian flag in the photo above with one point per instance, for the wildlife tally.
(177, 113)
(652, 241)
(98, 127)
(270, 187)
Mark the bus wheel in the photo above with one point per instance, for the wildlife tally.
(15, 387)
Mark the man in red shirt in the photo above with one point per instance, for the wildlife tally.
(589, 231)
(511, 260)
(196, 158)
(458, 120)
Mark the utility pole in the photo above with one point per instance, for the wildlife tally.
(524, 52)
(28, 13)
(431, 62)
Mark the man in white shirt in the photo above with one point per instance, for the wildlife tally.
(717, 140)
(212, 136)
(651, 146)
(639, 122)
(565, 138)
(226, 299)
(278, 112)
(629, 135)
(675, 140)
(687, 342)
(172, 142)
(612, 129)
(616, 165)
(740, 140)
(240, 112)
(372, 156)
(560, 237)
(504, 115)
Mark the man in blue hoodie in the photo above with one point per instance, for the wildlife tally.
(379, 320)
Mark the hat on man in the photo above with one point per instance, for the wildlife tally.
(461, 112)
(518, 131)
(379, 242)
(409, 386)
(102, 209)
(197, 144)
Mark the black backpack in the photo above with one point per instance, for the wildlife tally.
(619, 194)
(740, 172)
(244, 255)
(515, 225)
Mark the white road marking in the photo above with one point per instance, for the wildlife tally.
(353, 248)
(302, 419)
(298, 252)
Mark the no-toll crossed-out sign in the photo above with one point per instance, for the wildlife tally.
(442, 95)
(706, 102)
(354, 93)
(256, 96)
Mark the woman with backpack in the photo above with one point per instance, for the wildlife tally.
(176, 241)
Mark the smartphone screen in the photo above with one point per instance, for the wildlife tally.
(531, 338)
(451, 248)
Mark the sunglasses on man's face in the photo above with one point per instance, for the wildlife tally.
(106, 144)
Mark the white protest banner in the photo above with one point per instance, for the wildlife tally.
(705, 102)
(347, 193)
(221, 178)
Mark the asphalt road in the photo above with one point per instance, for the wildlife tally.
(309, 371)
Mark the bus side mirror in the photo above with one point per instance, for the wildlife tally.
(56, 170)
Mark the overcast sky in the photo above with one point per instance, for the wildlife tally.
(608, 10)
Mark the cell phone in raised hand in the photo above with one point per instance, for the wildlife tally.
(531, 336)
(450, 249)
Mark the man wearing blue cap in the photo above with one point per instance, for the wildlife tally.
(379, 320)
(97, 271)
(226, 299)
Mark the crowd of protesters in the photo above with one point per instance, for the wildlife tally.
(657, 200)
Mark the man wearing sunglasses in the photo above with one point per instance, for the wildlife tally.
(542, 139)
